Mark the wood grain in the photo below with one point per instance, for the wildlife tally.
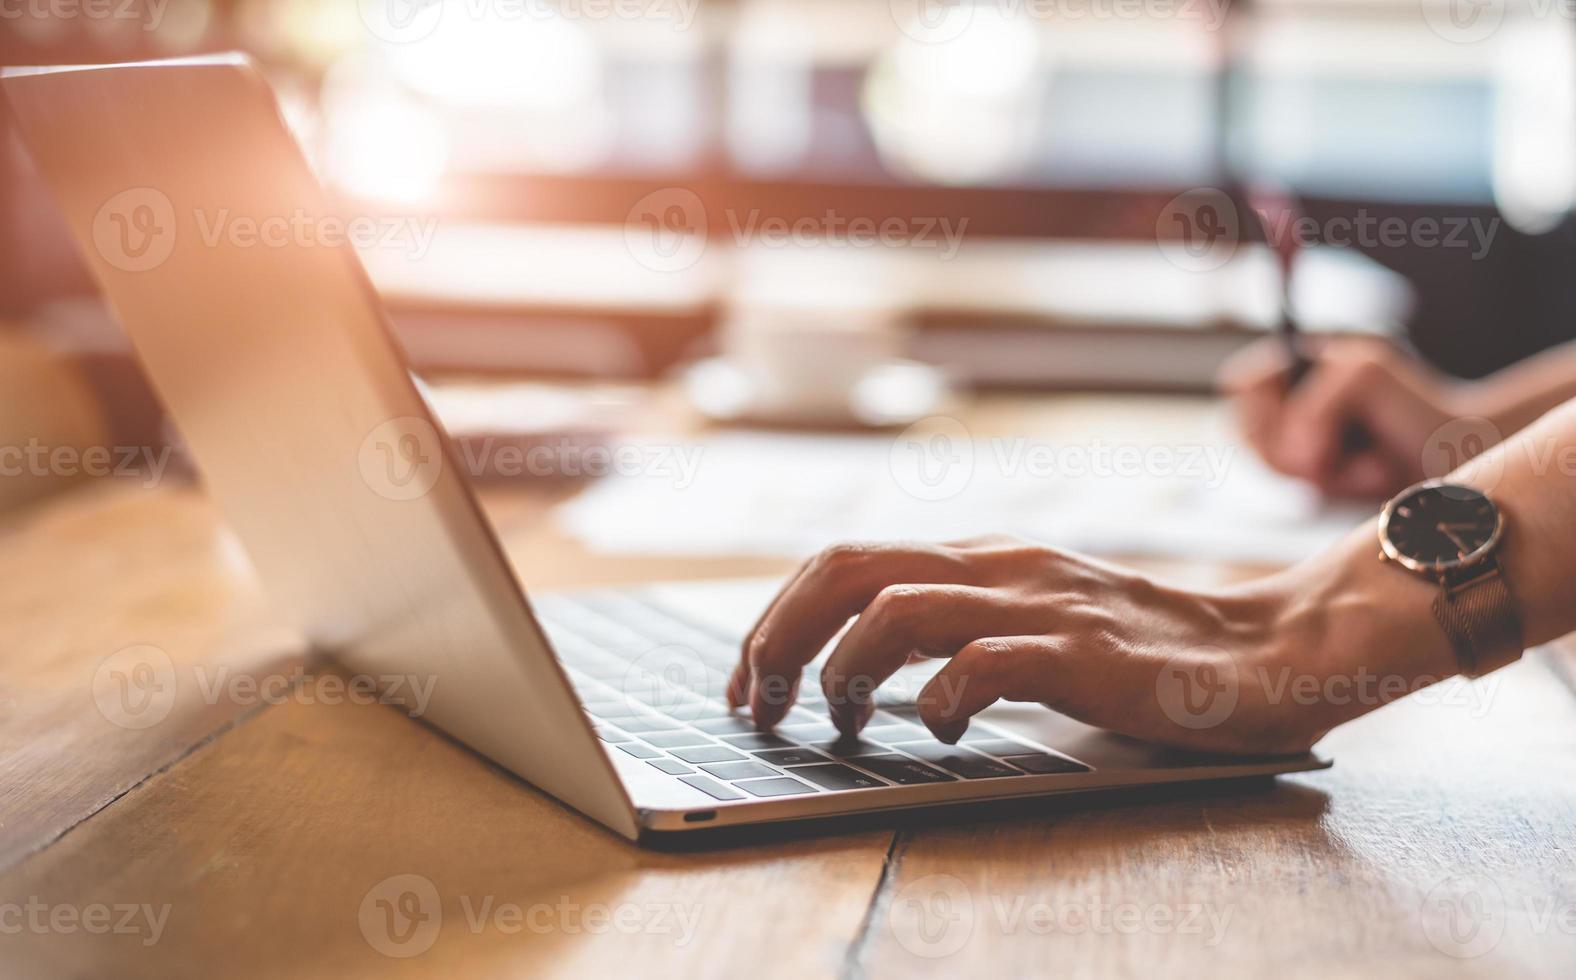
(107, 569)
(265, 830)
(1463, 806)
(264, 845)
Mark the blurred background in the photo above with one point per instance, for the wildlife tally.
(1029, 151)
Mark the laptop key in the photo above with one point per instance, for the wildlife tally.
(670, 767)
(790, 757)
(730, 725)
(611, 734)
(969, 765)
(712, 788)
(1000, 747)
(1041, 763)
(844, 747)
(646, 724)
(674, 740)
(756, 740)
(818, 731)
(900, 770)
(708, 753)
(781, 786)
(739, 770)
(835, 776)
(980, 733)
(639, 751)
(892, 734)
(691, 710)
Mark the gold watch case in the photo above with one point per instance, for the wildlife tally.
(1441, 570)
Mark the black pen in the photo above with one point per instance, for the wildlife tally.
(1278, 217)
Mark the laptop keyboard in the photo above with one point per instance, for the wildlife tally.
(655, 688)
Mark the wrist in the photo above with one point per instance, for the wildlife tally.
(1348, 614)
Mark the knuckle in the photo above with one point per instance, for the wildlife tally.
(982, 657)
(1368, 371)
(842, 555)
(757, 649)
(896, 605)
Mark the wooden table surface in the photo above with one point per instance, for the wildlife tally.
(247, 836)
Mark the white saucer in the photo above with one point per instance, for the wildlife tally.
(892, 393)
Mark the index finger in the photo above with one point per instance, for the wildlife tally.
(835, 586)
(1255, 382)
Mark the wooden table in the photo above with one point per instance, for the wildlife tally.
(237, 837)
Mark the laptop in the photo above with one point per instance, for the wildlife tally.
(274, 358)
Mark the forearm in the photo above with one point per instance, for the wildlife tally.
(1532, 477)
(1520, 394)
(1347, 613)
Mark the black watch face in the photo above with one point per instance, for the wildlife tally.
(1440, 526)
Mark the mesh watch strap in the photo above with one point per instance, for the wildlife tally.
(1481, 620)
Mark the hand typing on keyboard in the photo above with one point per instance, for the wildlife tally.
(1201, 669)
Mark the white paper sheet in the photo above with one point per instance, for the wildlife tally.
(789, 495)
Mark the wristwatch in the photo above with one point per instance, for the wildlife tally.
(1452, 534)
